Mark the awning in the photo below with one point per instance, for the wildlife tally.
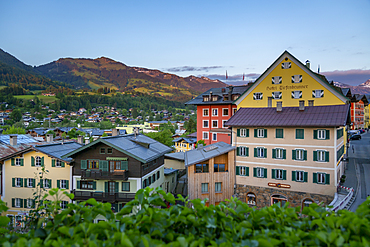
(116, 158)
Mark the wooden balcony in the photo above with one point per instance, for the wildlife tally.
(104, 175)
(103, 196)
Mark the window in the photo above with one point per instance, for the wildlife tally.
(257, 96)
(223, 123)
(296, 94)
(109, 150)
(278, 153)
(219, 168)
(279, 133)
(340, 153)
(307, 202)
(102, 150)
(242, 170)
(153, 178)
(214, 112)
(204, 187)
(317, 93)
(296, 78)
(259, 172)
(286, 65)
(18, 203)
(225, 112)
(17, 182)
(277, 95)
(46, 183)
(93, 164)
(242, 151)
(126, 186)
(38, 161)
(158, 175)
(235, 96)
(205, 124)
(321, 156)
(269, 102)
(278, 174)
(19, 162)
(214, 136)
(214, 97)
(205, 98)
(150, 180)
(201, 168)
(321, 134)
(87, 185)
(299, 176)
(260, 152)
(29, 203)
(63, 204)
(63, 184)
(30, 183)
(58, 163)
(310, 103)
(205, 112)
(299, 154)
(242, 132)
(235, 110)
(251, 199)
(218, 187)
(214, 124)
(277, 80)
(321, 178)
(339, 133)
(260, 133)
(299, 134)
(205, 135)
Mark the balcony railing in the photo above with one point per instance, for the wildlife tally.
(103, 196)
(99, 174)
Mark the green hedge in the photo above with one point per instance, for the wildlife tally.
(232, 223)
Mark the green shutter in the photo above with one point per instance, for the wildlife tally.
(124, 165)
(238, 132)
(53, 163)
(13, 202)
(273, 173)
(305, 177)
(237, 170)
(247, 171)
(314, 155)
(78, 184)
(42, 161)
(106, 187)
(284, 174)
(63, 164)
(94, 185)
(67, 184)
(265, 133)
(21, 182)
(314, 177)
(22, 162)
(255, 152)
(274, 153)
(83, 164)
(13, 163)
(33, 203)
(247, 132)
(116, 185)
(315, 134)
(13, 182)
(264, 172)
(32, 161)
(327, 134)
(103, 165)
(254, 172)
(33, 183)
(293, 154)
(305, 155)
(255, 132)
(21, 201)
(238, 151)
(25, 182)
(49, 182)
(293, 175)
(25, 203)
(246, 151)
(327, 178)
(41, 183)
(284, 154)
(265, 152)
(58, 184)
(327, 156)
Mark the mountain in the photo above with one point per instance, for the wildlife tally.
(105, 72)
(365, 84)
(363, 88)
(12, 61)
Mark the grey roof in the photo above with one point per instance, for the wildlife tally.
(6, 150)
(219, 92)
(207, 152)
(345, 91)
(312, 116)
(57, 150)
(177, 156)
(193, 135)
(188, 140)
(140, 147)
(168, 171)
(41, 131)
(21, 139)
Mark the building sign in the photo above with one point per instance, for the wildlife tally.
(279, 185)
(280, 88)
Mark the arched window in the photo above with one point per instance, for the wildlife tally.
(278, 199)
(307, 202)
(38, 161)
(251, 199)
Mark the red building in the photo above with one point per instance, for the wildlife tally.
(358, 104)
(214, 108)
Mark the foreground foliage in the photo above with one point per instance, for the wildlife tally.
(230, 224)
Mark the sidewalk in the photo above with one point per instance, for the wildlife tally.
(350, 172)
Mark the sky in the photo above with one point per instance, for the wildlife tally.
(201, 38)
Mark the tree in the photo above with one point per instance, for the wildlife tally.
(167, 126)
(190, 126)
(200, 142)
(134, 113)
(16, 115)
(104, 135)
(14, 130)
(164, 137)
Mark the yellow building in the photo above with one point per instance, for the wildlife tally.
(366, 123)
(182, 144)
(33, 169)
(289, 81)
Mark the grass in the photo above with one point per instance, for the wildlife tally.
(46, 99)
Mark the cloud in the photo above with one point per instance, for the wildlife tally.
(192, 68)
(234, 79)
(352, 77)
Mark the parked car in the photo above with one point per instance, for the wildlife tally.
(355, 137)
(362, 131)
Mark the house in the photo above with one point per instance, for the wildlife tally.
(170, 180)
(175, 161)
(358, 104)
(211, 172)
(214, 108)
(289, 154)
(112, 169)
(22, 171)
(183, 144)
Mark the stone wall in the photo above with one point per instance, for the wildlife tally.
(263, 196)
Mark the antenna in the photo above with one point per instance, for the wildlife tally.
(318, 69)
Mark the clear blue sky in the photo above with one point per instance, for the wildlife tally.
(192, 37)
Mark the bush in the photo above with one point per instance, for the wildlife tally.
(232, 223)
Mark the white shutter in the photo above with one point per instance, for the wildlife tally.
(273, 95)
(313, 93)
(254, 96)
(273, 80)
(322, 93)
(280, 95)
(300, 94)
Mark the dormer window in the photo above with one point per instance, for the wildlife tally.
(235, 96)
(214, 97)
(226, 97)
(205, 98)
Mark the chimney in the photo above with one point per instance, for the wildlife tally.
(87, 140)
(279, 106)
(13, 140)
(301, 105)
(230, 91)
(49, 137)
(210, 96)
(200, 146)
(114, 132)
(95, 138)
(308, 63)
(136, 131)
(80, 139)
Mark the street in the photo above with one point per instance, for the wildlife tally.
(359, 156)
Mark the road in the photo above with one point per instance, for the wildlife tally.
(359, 156)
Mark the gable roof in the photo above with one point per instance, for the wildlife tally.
(311, 116)
(188, 140)
(318, 77)
(140, 147)
(207, 152)
(21, 139)
(57, 150)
